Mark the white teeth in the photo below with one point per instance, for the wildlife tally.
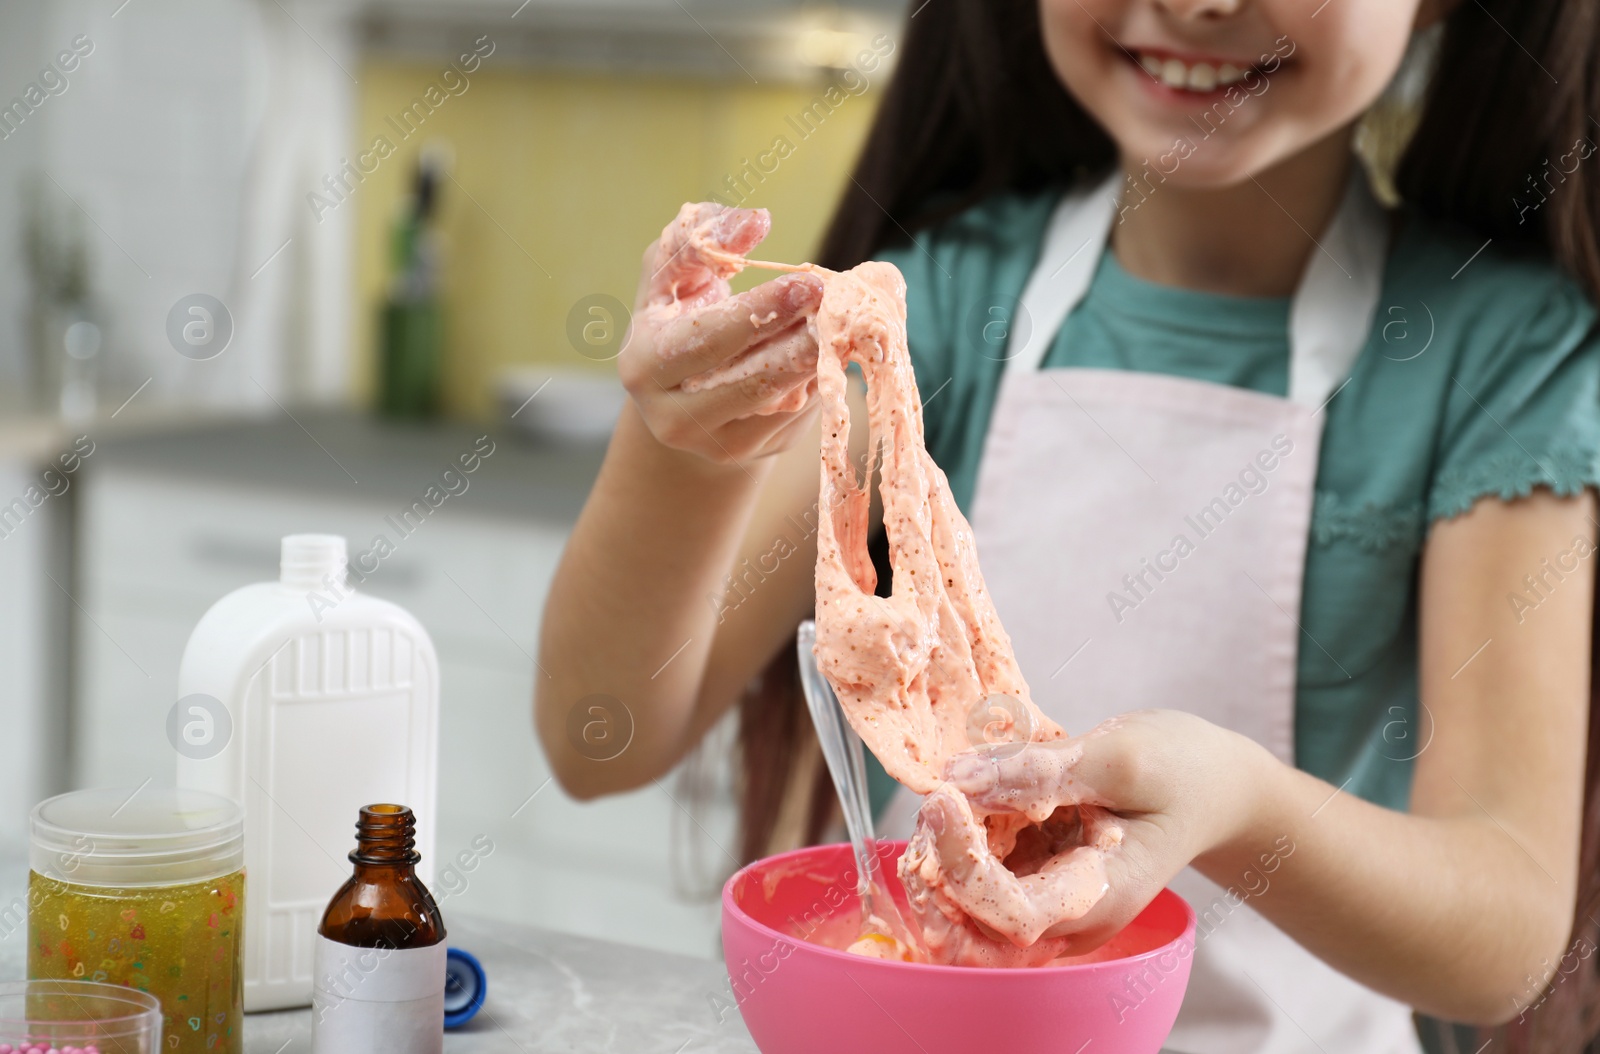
(1202, 77)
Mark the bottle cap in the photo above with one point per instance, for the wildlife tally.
(312, 561)
(465, 987)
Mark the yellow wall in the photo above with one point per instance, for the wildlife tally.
(581, 172)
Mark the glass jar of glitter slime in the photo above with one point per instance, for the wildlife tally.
(145, 889)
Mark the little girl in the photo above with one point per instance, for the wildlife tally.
(1285, 494)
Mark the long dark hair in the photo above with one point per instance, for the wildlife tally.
(975, 108)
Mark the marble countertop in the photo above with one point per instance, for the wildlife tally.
(553, 992)
(547, 991)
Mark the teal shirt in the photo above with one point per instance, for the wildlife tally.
(1478, 379)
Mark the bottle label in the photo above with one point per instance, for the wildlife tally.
(388, 1000)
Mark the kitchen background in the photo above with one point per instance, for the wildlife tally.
(208, 211)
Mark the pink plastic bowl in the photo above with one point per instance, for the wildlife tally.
(801, 998)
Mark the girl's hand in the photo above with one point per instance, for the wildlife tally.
(1128, 805)
(727, 378)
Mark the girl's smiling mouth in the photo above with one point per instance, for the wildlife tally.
(1179, 77)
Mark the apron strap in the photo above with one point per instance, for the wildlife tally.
(1333, 308)
(1330, 316)
(1076, 236)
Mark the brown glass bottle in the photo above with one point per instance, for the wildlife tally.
(384, 904)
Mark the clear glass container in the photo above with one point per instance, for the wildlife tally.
(144, 888)
(94, 1018)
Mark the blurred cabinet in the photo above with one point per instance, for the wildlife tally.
(157, 550)
(35, 570)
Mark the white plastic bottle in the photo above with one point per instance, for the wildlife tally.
(304, 700)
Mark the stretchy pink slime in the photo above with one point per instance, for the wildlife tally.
(911, 668)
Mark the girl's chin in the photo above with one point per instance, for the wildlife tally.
(1189, 163)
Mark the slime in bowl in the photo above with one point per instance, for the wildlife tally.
(799, 996)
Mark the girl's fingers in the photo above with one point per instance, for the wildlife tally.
(1080, 878)
(1019, 908)
(749, 439)
(798, 424)
(698, 341)
(701, 423)
(1035, 780)
(682, 270)
(735, 442)
(774, 353)
(959, 840)
(762, 381)
(1135, 874)
(725, 376)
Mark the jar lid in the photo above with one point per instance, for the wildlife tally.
(147, 836)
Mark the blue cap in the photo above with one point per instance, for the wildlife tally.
(465, 987)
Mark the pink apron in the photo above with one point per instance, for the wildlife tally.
(1144, 538)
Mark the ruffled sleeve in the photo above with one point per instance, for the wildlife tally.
(1523, 412)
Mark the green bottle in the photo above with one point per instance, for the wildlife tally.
(411, 320)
